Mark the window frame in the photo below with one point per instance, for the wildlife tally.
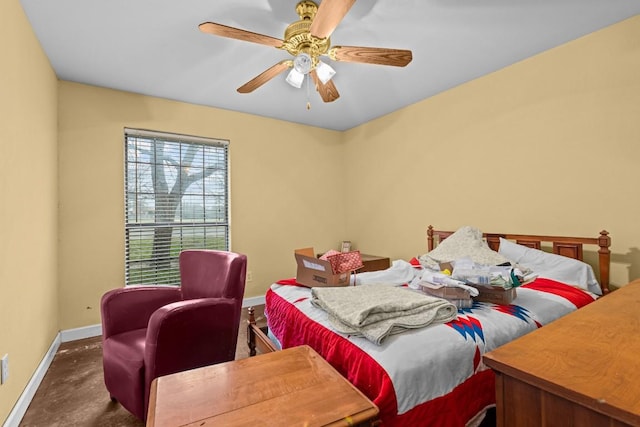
(198, 171)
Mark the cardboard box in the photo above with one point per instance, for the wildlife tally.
(495, 294)
(315, 272)
(442, 291)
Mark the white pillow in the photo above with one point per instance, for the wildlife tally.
(551, 266)
(465, 242)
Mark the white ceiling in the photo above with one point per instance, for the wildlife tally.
(154, 47)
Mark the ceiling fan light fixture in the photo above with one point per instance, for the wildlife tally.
(324, 72)
(306, 41)
(295, 78)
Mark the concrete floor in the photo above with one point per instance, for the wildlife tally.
(72, 392)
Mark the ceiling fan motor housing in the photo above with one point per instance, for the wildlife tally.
(298, 39)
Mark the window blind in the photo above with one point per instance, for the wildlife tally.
(176, 197)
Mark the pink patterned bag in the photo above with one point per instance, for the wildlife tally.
(344, 262)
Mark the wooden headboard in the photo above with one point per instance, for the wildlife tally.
(562, 245)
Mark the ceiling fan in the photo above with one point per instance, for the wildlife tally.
(307, 40)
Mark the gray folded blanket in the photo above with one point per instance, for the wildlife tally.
(377, 311)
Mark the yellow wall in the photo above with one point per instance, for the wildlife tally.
(550, 145)
(284, 179)
(28, 199)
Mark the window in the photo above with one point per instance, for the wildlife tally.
(176, 197)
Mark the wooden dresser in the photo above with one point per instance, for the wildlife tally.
(581, 370)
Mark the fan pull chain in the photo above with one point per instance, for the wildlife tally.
(308, 97)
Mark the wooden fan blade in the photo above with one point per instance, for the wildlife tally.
(371, 55)
(328, 91)
(329, 15)
(265, 76)
(236, 33)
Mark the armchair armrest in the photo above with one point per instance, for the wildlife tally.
(126, 309)
(191, 334)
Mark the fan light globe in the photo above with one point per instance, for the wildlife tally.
(324, 72)
(295, 78)
(302, 63)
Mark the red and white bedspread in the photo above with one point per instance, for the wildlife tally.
(432, 376)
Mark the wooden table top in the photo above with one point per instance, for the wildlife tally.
(292, 387)
(591, 356)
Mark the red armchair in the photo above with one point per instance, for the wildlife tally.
(151, 331)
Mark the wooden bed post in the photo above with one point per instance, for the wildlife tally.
(251, 340)
(604, 256)
(257, 338)
(429, 238)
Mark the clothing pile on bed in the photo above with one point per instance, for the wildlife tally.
(453, 270)
(466, 261)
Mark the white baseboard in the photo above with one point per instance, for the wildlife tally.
(81, 333)
(248, 302)
(20, 408)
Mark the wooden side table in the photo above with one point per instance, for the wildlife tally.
(292, 387)
(374, 263)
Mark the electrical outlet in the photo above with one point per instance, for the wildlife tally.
(249, 276)
(4, 370)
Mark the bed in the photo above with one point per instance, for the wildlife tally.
(434, 376)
